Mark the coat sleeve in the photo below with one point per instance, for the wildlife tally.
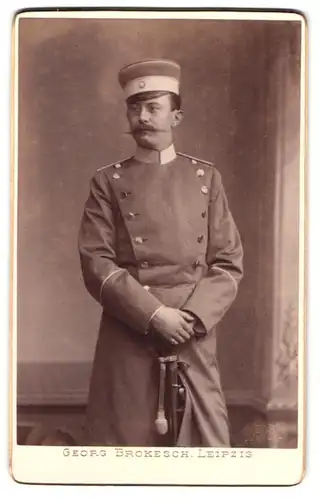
(114, 287)
(216, 291)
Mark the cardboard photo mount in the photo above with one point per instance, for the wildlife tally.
(59, 80)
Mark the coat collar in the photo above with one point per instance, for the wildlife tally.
(153, 156)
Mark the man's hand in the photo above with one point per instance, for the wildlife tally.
(174, 325)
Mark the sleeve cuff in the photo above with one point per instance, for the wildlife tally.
(122, 296)
(150, 319)
(107, 279)
(199, 327)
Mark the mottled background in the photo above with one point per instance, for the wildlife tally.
(240, 91)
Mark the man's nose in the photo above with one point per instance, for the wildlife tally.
(144, 116)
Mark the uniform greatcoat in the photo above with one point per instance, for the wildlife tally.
(157, 234)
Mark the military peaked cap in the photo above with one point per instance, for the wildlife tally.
(151, 75)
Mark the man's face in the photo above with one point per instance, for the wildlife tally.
(151, 121)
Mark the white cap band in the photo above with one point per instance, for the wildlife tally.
(150, 84)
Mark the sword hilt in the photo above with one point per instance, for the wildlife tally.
(161, 422)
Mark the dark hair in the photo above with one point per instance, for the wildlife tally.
(176, 101)
(143, 96)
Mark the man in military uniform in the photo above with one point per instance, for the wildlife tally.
(161, 253)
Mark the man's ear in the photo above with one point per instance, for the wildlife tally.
(177, 117)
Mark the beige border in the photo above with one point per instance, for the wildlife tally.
(14, 203)
(205, 14)
(248, 466)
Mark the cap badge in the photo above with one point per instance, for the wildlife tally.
(142, 84)
(200, 172)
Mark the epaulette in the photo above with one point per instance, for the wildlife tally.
(196, 160)
(114, 164)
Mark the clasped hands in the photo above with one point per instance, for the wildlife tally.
(174, 325)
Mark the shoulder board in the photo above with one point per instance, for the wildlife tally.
(113, 164)
(196, 159)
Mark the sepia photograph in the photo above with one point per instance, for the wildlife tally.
(158, 246)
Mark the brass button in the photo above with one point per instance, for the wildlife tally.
(124, 194)
(194, 162)
(138, 240)
(197, 263)
(203, 215)
(200, 238)
(146, 287)
(200, 172)
(117, 165)
(181, 391)
(204, 190)
(116, 176)
(144, 264)
(131, 215)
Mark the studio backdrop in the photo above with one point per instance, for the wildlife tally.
(241, 100)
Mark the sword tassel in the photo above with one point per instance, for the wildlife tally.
(161, 421)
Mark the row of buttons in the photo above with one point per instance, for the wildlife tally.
(131, 215)
(200, 171)
(116, 175)
(139, 239)
(124, 194)
(145, 265)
